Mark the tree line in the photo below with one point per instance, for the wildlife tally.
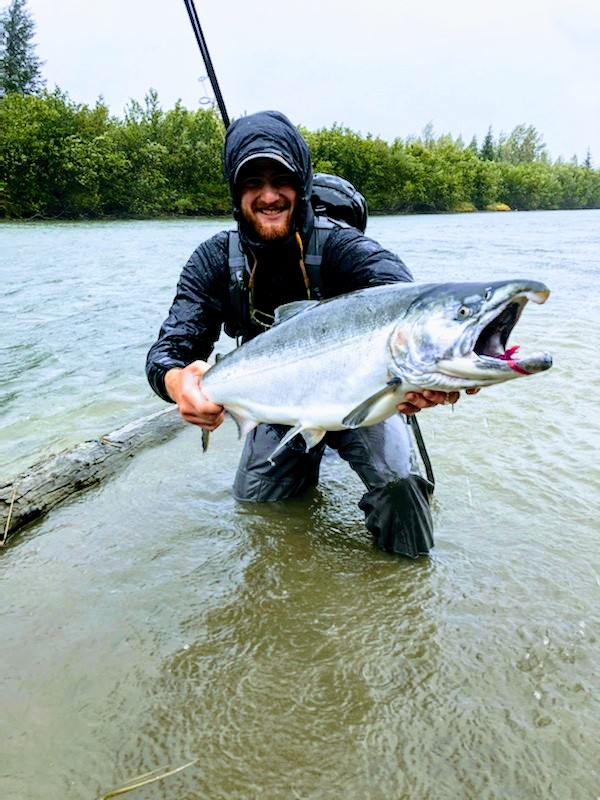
(59, 158)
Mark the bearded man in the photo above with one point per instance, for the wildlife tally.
(237, 279)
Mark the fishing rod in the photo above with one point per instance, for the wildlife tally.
(196, 27)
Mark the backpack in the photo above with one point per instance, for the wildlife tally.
(337, 198)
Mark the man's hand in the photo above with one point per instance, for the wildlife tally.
(415, 401)
(183, 386)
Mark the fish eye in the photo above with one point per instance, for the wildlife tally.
(463, 312)
(488, 294)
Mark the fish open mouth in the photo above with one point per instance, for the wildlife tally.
(492, 341)
(491, 346)
(484, 356)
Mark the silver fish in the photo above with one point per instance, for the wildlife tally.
(347, 362)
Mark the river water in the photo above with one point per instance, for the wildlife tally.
(154, 620)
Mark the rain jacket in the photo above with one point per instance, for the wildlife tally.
(203, 302)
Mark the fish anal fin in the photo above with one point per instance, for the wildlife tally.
(244, 426)
(359, 414)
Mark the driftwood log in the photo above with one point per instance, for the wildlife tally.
(56, 478)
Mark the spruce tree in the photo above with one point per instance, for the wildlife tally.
(20, 68)
(488, 149)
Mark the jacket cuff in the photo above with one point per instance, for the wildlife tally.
(157, 381)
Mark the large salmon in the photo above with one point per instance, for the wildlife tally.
(348, 361)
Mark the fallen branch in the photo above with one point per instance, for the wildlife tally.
(56, 478)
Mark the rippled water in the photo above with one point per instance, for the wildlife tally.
(155, 620)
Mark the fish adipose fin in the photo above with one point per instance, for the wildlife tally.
(359, 414)
(312, 437)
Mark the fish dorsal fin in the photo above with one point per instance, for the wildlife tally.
(289, 310)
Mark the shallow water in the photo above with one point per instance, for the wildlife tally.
(155, 620)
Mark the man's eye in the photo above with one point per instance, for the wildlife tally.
(252, 183)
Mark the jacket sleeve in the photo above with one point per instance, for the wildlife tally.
(353, 261)
(196, 315)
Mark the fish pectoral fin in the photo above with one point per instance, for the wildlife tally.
(205, 440)
(311, 436)
(359, 414)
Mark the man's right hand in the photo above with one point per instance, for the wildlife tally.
(183, 386)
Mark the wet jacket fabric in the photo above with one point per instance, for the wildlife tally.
(203, 304)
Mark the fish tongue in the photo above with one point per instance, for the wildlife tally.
(509, 354)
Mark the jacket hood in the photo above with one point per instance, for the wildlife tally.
(269, 134)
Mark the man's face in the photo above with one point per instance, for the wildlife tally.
(268, 198)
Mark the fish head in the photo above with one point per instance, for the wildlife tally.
(455, 336)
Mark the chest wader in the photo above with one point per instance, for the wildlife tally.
(396, 503)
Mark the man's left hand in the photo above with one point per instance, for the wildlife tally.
(415, 401)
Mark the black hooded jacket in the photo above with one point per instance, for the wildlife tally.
(203, 302)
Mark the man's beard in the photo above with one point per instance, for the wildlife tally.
(267, 232)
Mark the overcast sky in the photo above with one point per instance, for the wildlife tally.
(384, 67)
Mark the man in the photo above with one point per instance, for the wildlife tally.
(267, 163)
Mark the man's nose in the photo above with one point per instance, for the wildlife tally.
(269, 192)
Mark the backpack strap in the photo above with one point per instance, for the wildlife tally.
(313, 256)
(236, 259)
(238, 265)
